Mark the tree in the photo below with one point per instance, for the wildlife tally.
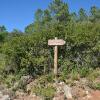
(30, 53)
(38, 15)
(46, 16)
(29, 29)
(38, 20)
(15, 33)
(95, 14)
(59, 10)
(2, 29)
(82, 15)
(3, 33)
(36, 26)
(74, 16)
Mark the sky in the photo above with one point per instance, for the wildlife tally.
(17, 14)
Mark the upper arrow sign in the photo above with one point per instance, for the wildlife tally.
(56, 42)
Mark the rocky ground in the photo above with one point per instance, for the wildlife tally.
(78, 90)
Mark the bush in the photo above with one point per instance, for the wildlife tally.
(46, 92)
(94, 85)
(26, 54)
(75, 75)
(93, 75)
(29, 54)
(10, 80)
(85, 71)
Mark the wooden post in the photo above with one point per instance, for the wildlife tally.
(55, 60)
(56, 42)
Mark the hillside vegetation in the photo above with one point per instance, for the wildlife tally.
(27, 53)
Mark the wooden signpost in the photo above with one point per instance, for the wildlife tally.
(56, 42)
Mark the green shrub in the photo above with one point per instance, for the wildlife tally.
(29, 54)
(85, 71)
(2, 63)
(46, 92)
(93, 75)
(45, 79)
(9, 80)
(65, 69)
(75, 75)
(94, 85)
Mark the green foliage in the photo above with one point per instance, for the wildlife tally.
(43, 86)
(15, 33)
(45, 79)
(29, 29)
(3, 36)
(95, 14)
(9, 80)
(95, 86)
(85, 71)
(74, 74)
(93, 75)
(29, 54)
(59, 10)
(82, 15)
(2, 29)
(2, 62)
(46, 92)
(3, 33)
